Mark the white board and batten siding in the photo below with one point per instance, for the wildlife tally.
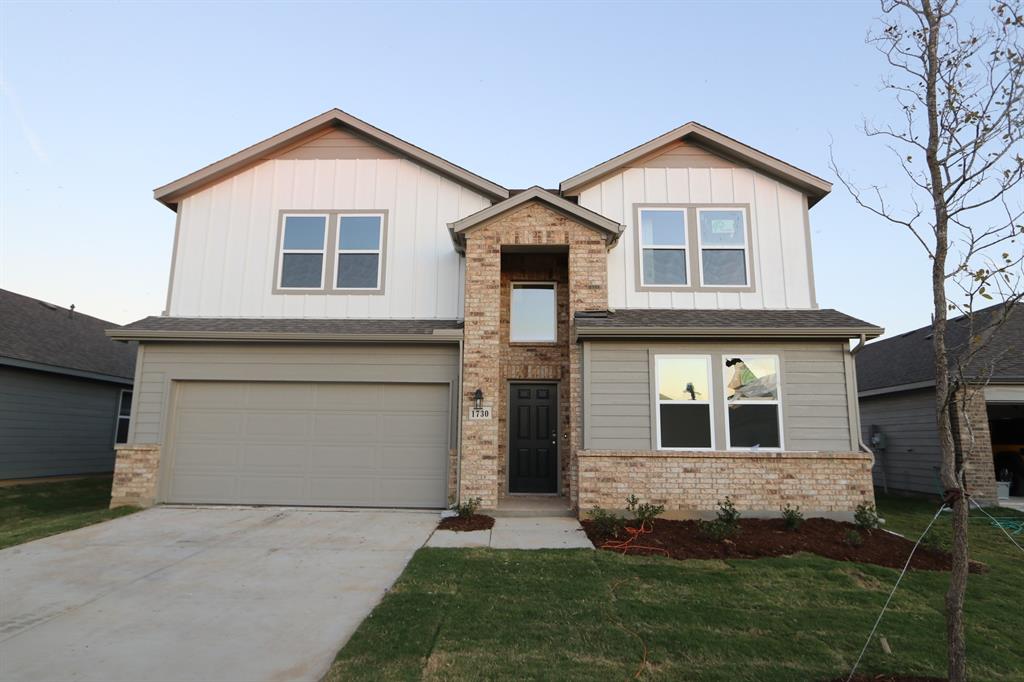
(226, 247)
(780, 235)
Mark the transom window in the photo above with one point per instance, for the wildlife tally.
(302, 251)
(723, 247)
(663, 247)
(124, 415)
(753, 407)
(684, 417)
(332, 252)
(533, 314)
(359, 242)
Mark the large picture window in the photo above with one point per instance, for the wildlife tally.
(534, 316)
(684, 418)
(663, 247)
(723, 247)
(753, 404)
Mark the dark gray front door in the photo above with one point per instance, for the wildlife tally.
(533, 439)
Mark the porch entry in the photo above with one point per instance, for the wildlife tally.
(533, 438)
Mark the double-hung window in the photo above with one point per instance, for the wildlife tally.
(359, 250)
(663, 247)
(684, 419)
(753, 405)
(723, 247)
(124, 415)
(302, 252)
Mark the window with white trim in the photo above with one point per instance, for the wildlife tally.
(533, 317)
(663, 259)
(359, 251)
(753, 402)
(302, 252)
(722, 235)
(684, 419)
(124, 415)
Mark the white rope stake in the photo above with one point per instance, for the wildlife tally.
(996, 524)
(902, 573)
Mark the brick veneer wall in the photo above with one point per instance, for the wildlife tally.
(487, 355)
(697, 481)
(972, 429)
(135, 475)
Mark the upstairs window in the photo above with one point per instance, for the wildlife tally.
(663, 247)
(753, 407)
(359, 249)
(723, 247)
(684, 416)
(533, 317)
(124, 415)
(302, 252)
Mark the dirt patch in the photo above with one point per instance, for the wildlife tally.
(756, 538)
(892, 678)
(467, 523)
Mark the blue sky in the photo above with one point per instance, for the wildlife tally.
(103, 102)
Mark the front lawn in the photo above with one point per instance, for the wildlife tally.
(33, 511)
(578, 614)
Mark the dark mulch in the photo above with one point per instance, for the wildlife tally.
(474, 522)
(892, 678)
(756, 538)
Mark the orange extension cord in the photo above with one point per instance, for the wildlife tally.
(631, 542)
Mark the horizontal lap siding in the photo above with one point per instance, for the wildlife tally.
(816, 415)
(911, 458)
(164, 363)
(52, 425)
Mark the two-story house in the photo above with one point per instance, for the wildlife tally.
(352, 320)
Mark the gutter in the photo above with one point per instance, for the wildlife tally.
(438, 336)
(696, 332)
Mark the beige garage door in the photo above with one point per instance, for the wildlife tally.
(346, 444)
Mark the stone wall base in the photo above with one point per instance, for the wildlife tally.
(689, 483)
(135, 475)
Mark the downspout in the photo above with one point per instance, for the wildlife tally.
(860, 434)
(458, 427)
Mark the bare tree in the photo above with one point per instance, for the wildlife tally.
(958, 85)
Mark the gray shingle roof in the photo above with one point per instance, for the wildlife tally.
(909, 358)
(41, 333)
(151, 326)
(750, 321)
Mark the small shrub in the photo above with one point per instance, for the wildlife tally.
(716, 530)
(468, 508)
(727, 513)
(792, 517)
(934, 543)
(866, 517)
(645, 513)
(608, 524)
(854, 539)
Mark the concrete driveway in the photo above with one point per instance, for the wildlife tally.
(199, 594)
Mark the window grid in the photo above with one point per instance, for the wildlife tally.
(658, 360)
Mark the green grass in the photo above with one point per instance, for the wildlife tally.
(576, 614)
(33, 511)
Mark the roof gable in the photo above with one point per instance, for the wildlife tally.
(699, 137)
(355, 132)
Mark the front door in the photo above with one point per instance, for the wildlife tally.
(533, 439)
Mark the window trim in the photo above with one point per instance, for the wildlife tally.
(658, 402)
(777, 402)
(745, 248)
(119, 416)
(282, 251)
(338, 251)
(512, 319)
(684, 247)
(329, 274)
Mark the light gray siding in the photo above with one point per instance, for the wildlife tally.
(53, 425)
(818, 407)
(911, 458)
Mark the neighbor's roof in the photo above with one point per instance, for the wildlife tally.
(715, 142)
(287, 329)
(172, 192)
(907, 361)
(608, 227)
(765, 323)
(39, 335)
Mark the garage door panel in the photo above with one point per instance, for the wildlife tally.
(348, 444)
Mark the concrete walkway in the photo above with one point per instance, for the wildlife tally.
(518, 533)
(242, 594)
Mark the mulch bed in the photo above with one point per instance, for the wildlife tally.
(756, 538)
(892, 678)
(474, 522)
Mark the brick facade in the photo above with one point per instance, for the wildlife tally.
(831, 482)
(971, 429)
(135, 475)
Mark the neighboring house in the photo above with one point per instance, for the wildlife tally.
(352, 320)
(896, 380)
(65, 390)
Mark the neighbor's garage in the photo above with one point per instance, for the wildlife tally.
(299, 424)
